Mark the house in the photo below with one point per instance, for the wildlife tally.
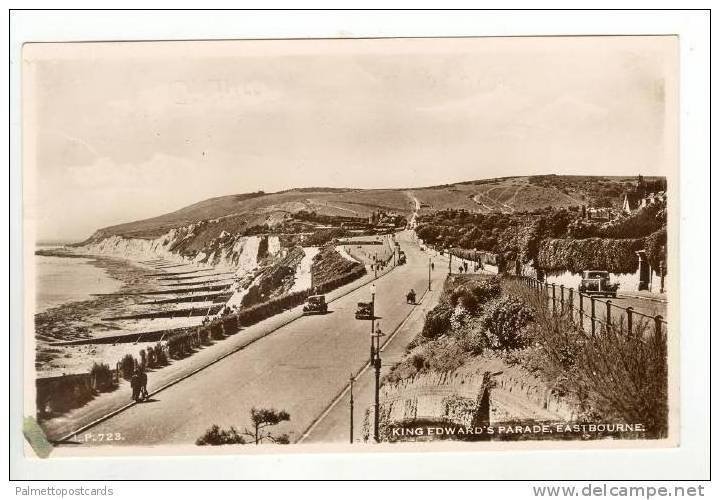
(645, 193)
(632, 201)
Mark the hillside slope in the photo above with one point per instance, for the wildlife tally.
(250, 213)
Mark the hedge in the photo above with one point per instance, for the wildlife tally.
(61, 394)
(613, 255)
(655, 248)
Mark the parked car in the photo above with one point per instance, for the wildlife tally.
(315, 304)
(598, 283)
(365, 310)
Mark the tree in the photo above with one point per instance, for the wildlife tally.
(267, 417)
(261, 419)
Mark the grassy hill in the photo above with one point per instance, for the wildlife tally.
(242, 212)
(527, 193)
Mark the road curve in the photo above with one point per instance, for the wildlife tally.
(301, 368)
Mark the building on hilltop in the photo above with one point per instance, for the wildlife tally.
(644, 193)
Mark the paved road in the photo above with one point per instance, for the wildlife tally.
(300, 368)
(334, 425)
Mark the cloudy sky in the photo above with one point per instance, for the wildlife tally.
(119, 132)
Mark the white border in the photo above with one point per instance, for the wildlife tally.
(689, 461)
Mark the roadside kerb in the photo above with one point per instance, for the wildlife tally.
(346, 388)
(214, 361)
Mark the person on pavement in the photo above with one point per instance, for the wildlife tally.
(135, 385)
(143, 385)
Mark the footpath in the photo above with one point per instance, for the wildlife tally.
(644, 294)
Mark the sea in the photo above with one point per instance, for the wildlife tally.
(61, 280)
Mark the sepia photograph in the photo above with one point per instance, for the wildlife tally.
(360, 242)
(257, 246)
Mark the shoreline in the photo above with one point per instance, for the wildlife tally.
(78, 320)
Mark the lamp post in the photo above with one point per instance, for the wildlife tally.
(377, 363)
(352, 406)
(372, 319)
(449, 261)
(429, 272)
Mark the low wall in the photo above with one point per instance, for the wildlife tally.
(56, 395)
(628, 282)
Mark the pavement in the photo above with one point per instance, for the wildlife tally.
(301, 368)
(646, 295)
(108, 404)
(333, 425)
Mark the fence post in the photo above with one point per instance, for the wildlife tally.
(629, 319)
(570, 302)
(562, 299)
(658, 327)
(608, 314)
(581, 312)
(553, 297)
(592, 315)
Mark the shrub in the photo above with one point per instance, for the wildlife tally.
(104, 377)
(215, 436)
(143, 359)
(437, 321)
(475, 341)
(204, 336)
(614, 375)
(282, 439)
(504, 321)
(151, 359)
(487, 289)
(616, 256)
(655, 248)
(161, 355)
(127, 366)
(464, 297)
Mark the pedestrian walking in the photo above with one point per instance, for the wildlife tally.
(143, 385)
(135, 385)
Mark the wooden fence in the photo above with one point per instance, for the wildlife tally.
(588, 312)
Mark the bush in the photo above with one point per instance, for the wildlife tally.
(104, 377)
(616, 256)
(486, 290)
(655, 248)
(127, 366)
(151, 358)
(463, 297)
(143, 360)
(215, 436)
(161, 355)
(437, 321)
(475, 341)
(614, 375)
(504, 321)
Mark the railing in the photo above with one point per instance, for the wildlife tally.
(589, 313)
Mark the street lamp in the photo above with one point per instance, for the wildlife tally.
(372, 320)
(377, 363)
(352, 406)
(429, 270)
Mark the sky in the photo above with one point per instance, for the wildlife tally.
(114, 132)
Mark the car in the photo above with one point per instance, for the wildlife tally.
(401, 258)
(597, 283)
(315, 304)
(365, 310)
